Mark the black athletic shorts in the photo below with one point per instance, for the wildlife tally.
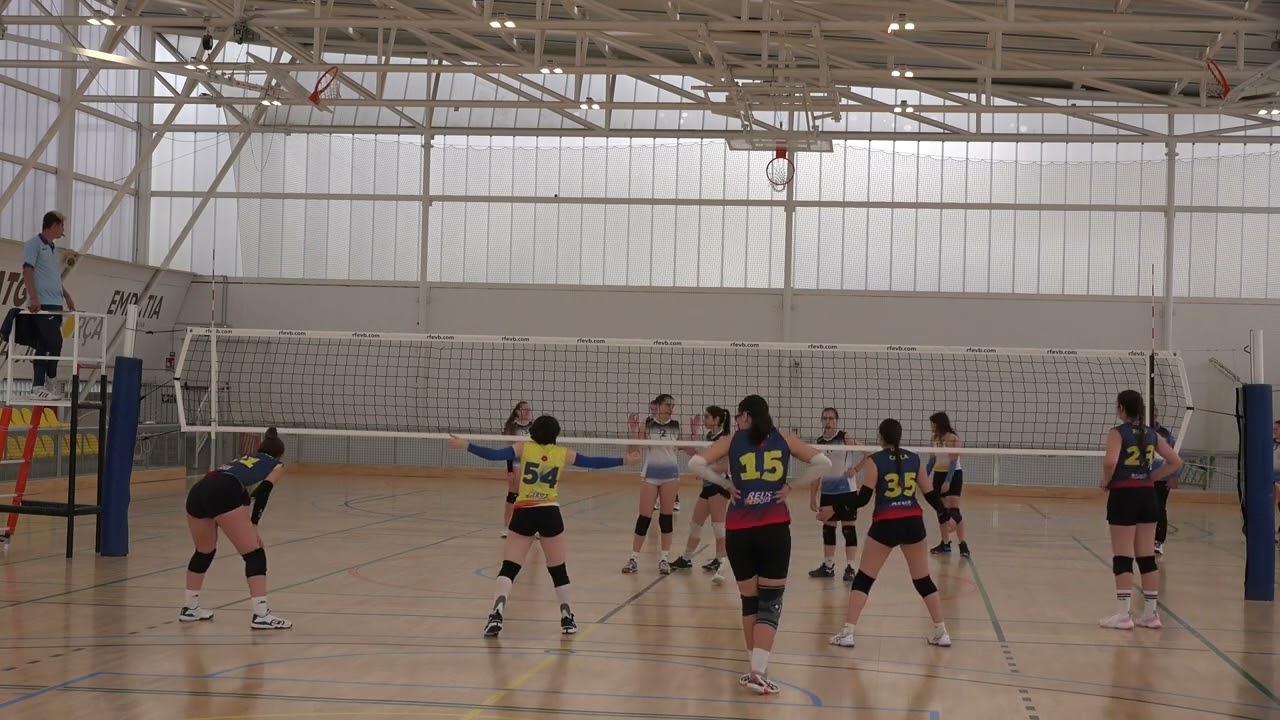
(710, 490)
(842, 506)
(215, 494)
(544, 520)
(898, 531)
(763, 551)
(1132, 506)
(957, 483)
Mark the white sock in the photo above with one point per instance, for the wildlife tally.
(502, 593)
(718, 530)
(260, 607)
(192, 599)
(829, 562)
(1149, 607)
(665, 555)
(1122, 602)
(562, 594)
(850, 627)
(760, 661)
(939, 628)
(635, 555)
(724, 560)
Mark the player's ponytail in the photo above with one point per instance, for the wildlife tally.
(757, 409)
(271, 444)
(891, 434)
(1130, 401)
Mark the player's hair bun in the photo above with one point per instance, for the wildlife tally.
(271, 433)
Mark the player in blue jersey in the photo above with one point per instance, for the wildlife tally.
(757, 525)
(220, 501)
(517, 424)
(836, 493)
(948, 477)
(713, 501)
(1163, 486)
(1132, 508)
(894, 478)
(661, 481)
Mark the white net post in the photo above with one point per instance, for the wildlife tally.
(1018, 404)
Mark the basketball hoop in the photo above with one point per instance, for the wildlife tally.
(1217, 86)
(780, 169)
(325, 88)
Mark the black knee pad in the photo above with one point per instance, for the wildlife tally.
(559, 575)
(666, 523)
(642, 525)
(955, 514)
(1121, 564)
(200, 562)
(850, 535)
(862, 582)
(509, 570)
(770, 606)
(750, 605)
(255, 563)
(828, 534)
(1147, 564)
(925, 586)
(511, 498)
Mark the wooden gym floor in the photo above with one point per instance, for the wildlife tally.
(388, 582)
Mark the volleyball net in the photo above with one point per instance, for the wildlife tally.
(1028, 402)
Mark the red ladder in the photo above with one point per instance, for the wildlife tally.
(24, 469)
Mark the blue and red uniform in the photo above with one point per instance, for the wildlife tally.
(1133, 470)
(896, 488)
(758, 472)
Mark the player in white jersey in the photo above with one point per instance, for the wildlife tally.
(837, 489)
(517, 424)
(661, 480)
(713, 501)
(948, 477)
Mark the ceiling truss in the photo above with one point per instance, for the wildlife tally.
(776, 67)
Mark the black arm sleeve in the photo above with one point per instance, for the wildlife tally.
(260, 500)
(934, 498)
(863, 497)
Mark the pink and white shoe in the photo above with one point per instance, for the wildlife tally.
(1151, 621)
(1119, 621)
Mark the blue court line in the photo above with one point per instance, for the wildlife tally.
(779, 658)
(326, 533)
(1257, 684)
(51, 688)
(814, 699)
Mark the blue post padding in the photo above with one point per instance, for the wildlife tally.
(1259, 492)
(122, 435)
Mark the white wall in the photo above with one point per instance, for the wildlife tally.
(1203, 329)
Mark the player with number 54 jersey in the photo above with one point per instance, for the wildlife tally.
(541, 463)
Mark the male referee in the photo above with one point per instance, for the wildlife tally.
(45, 296)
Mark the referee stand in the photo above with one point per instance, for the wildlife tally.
(35, 417)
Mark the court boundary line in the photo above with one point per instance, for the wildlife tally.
(1257, 684)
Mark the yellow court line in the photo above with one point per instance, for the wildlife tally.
(521, 679)
(350, 714)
